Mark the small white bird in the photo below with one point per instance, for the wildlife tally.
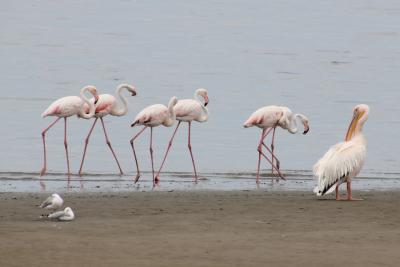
(53, 202)
(64, 215)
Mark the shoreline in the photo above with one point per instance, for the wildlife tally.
(202, 228)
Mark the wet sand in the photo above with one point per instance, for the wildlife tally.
(202, 228)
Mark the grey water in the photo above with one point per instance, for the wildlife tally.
(320, 58)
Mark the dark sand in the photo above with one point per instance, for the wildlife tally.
(238, 228)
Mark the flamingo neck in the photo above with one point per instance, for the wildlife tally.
(120, 111)
(204, 109)
(92, 109)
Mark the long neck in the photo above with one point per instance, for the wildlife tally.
(172, 117)
(120, 111)
(82, 112)
(204, 109)
(292, 124)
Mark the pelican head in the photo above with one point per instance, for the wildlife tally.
(360, 116)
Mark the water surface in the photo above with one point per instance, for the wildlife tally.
(320, 58)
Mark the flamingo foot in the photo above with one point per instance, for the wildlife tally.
(137, 178)
(43, 171)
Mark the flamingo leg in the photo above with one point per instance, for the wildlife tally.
(43, 171)
(190, 150)
(66, 145)
(166, 153)
(109, 145)
(259, 149)
(349, 192)
(151, 154)
(86, 144)
(134, 153)
(272, 151)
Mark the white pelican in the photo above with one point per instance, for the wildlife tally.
(344, 160)
(64, 215)
(53, 202)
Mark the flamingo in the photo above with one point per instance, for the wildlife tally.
(268, 118)
(66, 107)
(107, 104)
(343, 161)
(189, 110)
(153, 116)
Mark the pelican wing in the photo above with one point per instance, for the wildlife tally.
(341, 160)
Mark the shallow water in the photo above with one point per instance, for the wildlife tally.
(319, 58)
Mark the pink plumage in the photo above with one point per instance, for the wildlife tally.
(66, 107)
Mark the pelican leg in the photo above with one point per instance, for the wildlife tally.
(134, 153)
(349, 193)
(43, 171)
(337, 192)
(86, 144)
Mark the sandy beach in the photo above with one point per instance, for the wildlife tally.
(203, 228)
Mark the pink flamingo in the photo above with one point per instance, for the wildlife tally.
(66, 107)
(153, 116)
(107, 104)
(189, 110)
(268, 118)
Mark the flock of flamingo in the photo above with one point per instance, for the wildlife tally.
(342, 162)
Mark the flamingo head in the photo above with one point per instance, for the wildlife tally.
(131, 89)
(94, 92)
(204, 94)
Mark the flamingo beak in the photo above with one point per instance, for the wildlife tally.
(206, 101)
(306, 130)
(133, 92)
(96, 99)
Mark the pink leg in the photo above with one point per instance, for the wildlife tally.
(259, 149)
(134, 153)
(66, 146)
(337, 192)
(109, 145)
(273, 166)
(349, 193)
(151, 155)
(86, 144)
(190, 150)
(166, 153)
(43, 171)
(272, 151)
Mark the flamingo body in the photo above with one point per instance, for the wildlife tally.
(65, 107)
(188, 110)
(107, 104)
(154, 115)
(268, 118)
